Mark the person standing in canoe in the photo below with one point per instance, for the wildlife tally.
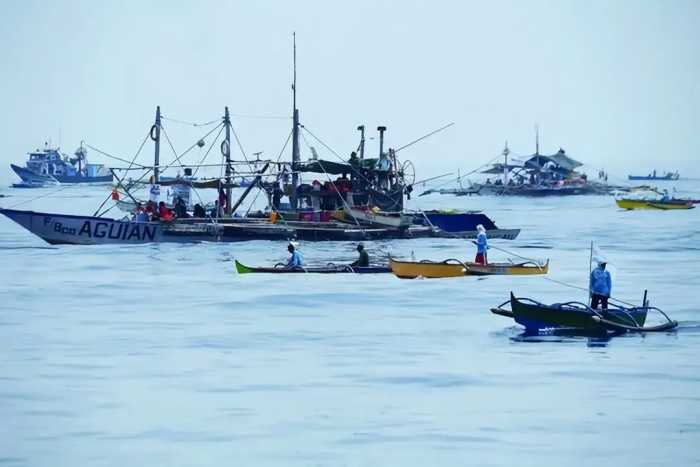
(363, 260)
(482, 245)
(601, 286)
(296, 260)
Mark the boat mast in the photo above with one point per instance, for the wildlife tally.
(295, 131)
(226, 149)
(537, 139)
(156, 139)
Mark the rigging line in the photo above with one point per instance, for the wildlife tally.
(216, 138)
(347, 206)
(514, 254)
(289, 136)
(240, 146)
(115, 157)
(466, 174)
(184, 122)
(107, 210)
(177, 159)
(586, 290)
(64, 187)
(357, 172)
(143, 143)
(425, 136)
(167, 138)
(265, 117)
(253, 202)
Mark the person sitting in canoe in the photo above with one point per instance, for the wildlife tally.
(363, 260)
(601, 285)
(482, 245)
(296, 260)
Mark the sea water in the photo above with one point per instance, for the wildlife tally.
(163, 355)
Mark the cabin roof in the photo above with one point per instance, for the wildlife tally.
(560, 159)
(335, 168)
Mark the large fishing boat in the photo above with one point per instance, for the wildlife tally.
(537, 175)
(49, 166)
(359, 198)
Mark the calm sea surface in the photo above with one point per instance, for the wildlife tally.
(163, 355)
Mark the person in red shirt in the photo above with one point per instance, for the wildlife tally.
(164, 213)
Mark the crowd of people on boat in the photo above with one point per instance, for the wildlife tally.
(153, 212)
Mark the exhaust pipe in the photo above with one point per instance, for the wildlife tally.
(381, 130)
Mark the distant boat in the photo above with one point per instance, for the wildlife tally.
(653, 176)
(48, 166)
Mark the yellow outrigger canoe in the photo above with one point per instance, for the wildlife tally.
(456, 268)
(660, 205)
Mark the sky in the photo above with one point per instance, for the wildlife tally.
(615, 83)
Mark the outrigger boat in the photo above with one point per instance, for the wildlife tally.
(456, 268)
(652, 176)
(577, 317)
(330, 268)
(629, 204)
(369, 191)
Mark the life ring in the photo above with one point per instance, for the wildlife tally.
(152, 133)
(225, 148)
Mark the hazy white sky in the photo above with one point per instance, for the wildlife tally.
(616, 83)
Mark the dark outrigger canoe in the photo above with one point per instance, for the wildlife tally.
(578, 317)
(329, 269)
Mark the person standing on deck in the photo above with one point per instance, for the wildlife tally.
(363, 260)
(296, 260)
(601, 286)
(482, 245)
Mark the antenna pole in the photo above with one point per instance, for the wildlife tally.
(156, 138)
(537, 139)
(295, 131)
(227, 155)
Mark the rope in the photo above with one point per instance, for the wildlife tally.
(586, 290)
(266, 117)
(345, 204)
(177, 159)
(190, 123)
(208, 150)
(167, 138)
(514, 254)
(64, 187)
(115, 157)
(240, 146)
(465, 175)
(358, 173)
(131, 164)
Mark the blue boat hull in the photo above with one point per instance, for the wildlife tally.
(459, 222)
(33, 178)
(59, 229)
